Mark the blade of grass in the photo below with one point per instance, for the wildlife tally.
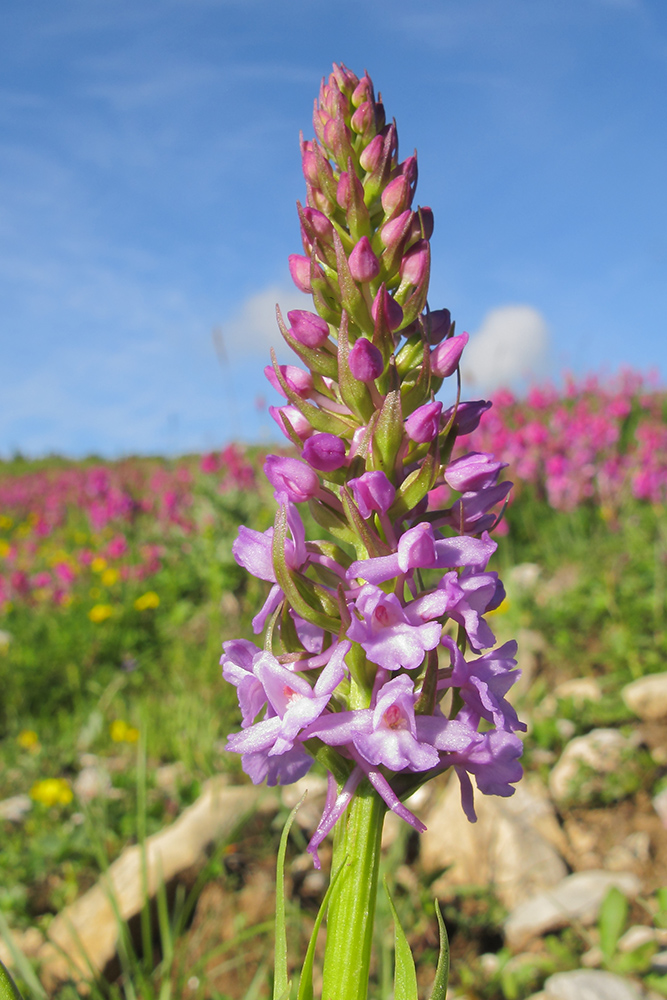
(23, 966)
(305, 991)
(280, 981)
(405, 974)
(439, 991)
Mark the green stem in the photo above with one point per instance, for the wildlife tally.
(347, 954)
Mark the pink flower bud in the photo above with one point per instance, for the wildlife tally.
(372, 492)
(468, 415)
(309, 165)
(363, 119)
(299, 268)
(437, 325)
(424, 424)
(475, 471)
(292, 477)
(391, 311)
(300, 424)
(446, 356)
(363, 92)
(346, 79)
(415, 265)
(396, 197)
(397, 228)
(371, 158)
(308, 328)
(297, 379)
(364, 265)
(318, 223)
(325, 452)
(423, 218)
(365, 361)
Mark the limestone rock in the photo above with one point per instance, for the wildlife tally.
(601, 752)
(87, 931)
(647, 697)
(585, 984)
(578, 897)
(514, 847)
(14, 809)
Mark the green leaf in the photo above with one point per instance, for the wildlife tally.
(281, 984)
(306, 978)
(405, 975)
(8, 988)
(611, 923)
(439, 991)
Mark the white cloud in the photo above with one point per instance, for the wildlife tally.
(253, 329)
(511, 345)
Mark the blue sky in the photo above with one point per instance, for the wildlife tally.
(149, 170)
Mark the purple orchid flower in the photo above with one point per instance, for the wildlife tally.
(483, 684)
(386, 633)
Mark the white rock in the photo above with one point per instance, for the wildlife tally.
(601, 751)
(92, 782)
(584, 984)
(579, 689)
(578, 897)
(85, 935)
(14, 809)
(660, 805)
(514, 847)
(636, 936)
(647, 697)
(659, 963)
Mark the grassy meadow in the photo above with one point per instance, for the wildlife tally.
(118, 585)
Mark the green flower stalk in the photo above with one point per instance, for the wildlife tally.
(367, 630)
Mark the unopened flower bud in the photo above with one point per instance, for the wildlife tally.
(363, 92)
(468, 415)
(364, 265)
(365, 361)
(292, 477)
(325, 452)
(415, 265)
(346, 79)
(316, 225)
(390, 310)
(437, 325)
(297, 379)
(300, 424)
(424, 423)
(396, 197)
(338, 140)
(299, 268)
(475, 471)
(363, 119)
(446, 356)
(308, 328)
(422, 226)
(371, 157)
(373, 492)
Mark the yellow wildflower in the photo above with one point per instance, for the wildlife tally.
(52, 792)
(5, 522)
(5, 548)
(28, 739)
(99, 564)
(122, 733)
(148, 600)
(109, 577)
(100, 612)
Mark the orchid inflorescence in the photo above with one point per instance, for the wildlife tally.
(366, 663)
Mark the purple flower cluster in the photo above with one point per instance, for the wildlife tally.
(366, 661)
